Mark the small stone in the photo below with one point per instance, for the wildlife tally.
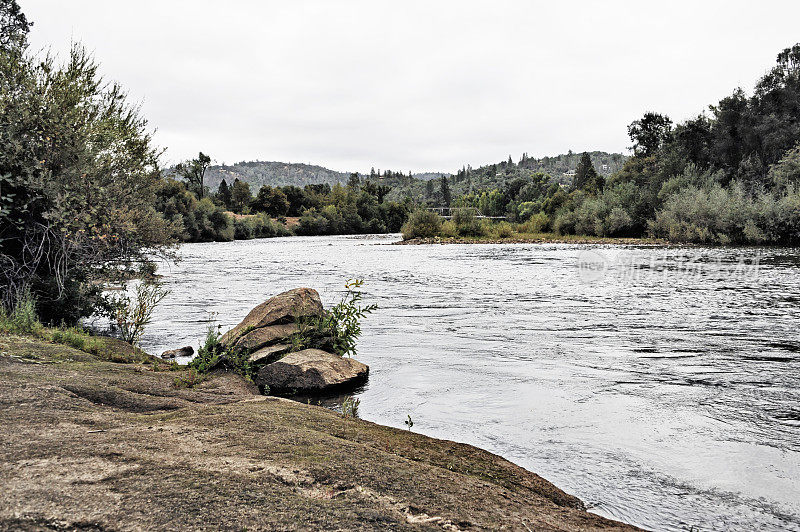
(175, 353)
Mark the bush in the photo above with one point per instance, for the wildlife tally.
(422, 224)
(502, 230)
(131, 316)
(449, 229)
(22, 319)
(344, 319)
(350, 407)
(714, 214)
(537, 223)
(466, 222)
(213, 354)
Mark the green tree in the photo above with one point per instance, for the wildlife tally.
(224, 194)
(649, 133)
(194, 172)
(272, 201)
(240, 196)
(79, 176)
(14, 26)
(586, 177)
(447, 197)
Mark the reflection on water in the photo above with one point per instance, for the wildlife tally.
(662, 389)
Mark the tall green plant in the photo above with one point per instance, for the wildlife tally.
(132, 315)
(344, 319)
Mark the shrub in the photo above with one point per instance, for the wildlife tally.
(467, 223)
(22, 319)
(131, 316)
(449, 229)
(350, 407)
(422, 224)
(213, 354)
(503, 230)
(537, 223)
(344, 319)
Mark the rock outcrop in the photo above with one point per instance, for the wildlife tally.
(271, 330)
(311, 371)
(288, 307)
(258, 338)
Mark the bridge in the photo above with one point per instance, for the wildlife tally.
(447, 212)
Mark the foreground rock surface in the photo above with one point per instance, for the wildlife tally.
(93, 445)
(311, 371)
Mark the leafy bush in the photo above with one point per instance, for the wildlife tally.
(213, 354)
(449, 229)
(714, 214)
(467, 223)
(22, 319)
(422, 224)
(350, 407)
(131, 316)
(502, 230)
(537, 223)
(344, 319)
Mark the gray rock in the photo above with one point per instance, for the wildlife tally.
(258, 338)
(175, 353)
(283, 308)
(265, 355)
(311, 371)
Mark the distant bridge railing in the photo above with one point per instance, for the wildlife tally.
(447, 212)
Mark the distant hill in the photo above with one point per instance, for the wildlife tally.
(277, 174)
(259, 173)
(559, 167)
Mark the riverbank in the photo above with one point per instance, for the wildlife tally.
(93, 444)
(537, 238)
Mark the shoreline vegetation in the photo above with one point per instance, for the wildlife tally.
(536, 238)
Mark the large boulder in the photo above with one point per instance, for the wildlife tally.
(284, 308)
(258, 338)
(311, 371)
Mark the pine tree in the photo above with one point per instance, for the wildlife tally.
(224, 194)
(586, 177)
(446, 196)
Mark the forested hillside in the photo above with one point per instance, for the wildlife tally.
(276, 174)
(421, 187)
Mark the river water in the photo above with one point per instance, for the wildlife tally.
(661, 386)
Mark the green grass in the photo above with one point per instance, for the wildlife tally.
(22, 319)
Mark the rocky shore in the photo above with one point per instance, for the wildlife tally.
(91, 444)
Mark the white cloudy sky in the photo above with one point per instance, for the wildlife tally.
(415, 85)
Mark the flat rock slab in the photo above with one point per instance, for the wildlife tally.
(311, 371)
(258, 338)
(269, 354)
(283, 308)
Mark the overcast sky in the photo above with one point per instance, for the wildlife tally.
(427, 85)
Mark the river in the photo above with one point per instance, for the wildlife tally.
(661, 386)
